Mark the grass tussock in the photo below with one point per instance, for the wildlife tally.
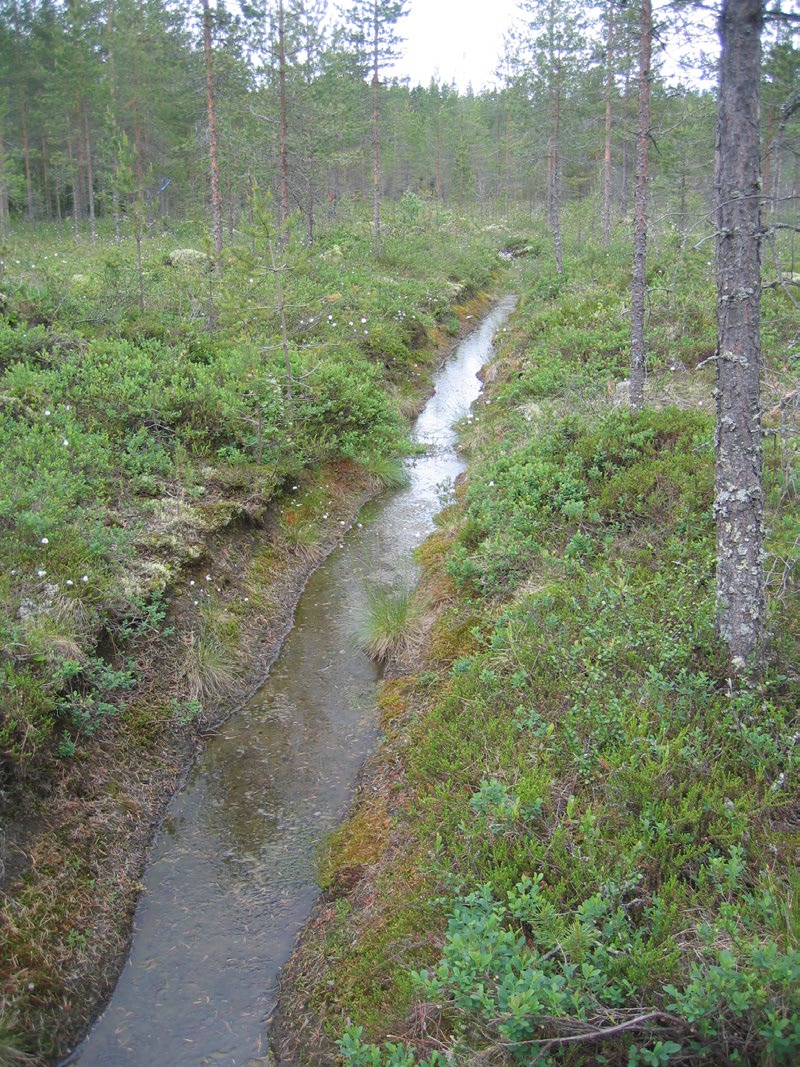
(210, 666)
(388, 471)
(303, 537)
(392, 628)
(12, 1054)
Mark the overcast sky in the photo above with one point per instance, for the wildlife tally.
(461, 41)
(453, 40)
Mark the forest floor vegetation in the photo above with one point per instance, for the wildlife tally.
(172, 467)
(579, 840)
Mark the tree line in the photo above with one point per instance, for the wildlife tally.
(104, 111)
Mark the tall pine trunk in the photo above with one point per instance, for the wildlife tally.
(23, 111)
(89, 173)
(3, 186)
(213, 148)
(46, 184)
(136, 105)
(739, 497)
(79, 186)
(284, 126)
(73, 171)
(555, 179)
(310, 201)
(376, 155)
(112, 90)
(376, 130)
(26, 151)
(640, 210)
(624, 190)
(607, 148)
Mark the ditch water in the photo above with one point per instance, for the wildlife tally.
(231, 878)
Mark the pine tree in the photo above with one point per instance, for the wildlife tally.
(739, 497)
(638, 286)
(557, 48)
(372, 30)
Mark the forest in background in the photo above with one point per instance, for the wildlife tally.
(104, 114)
(232, 252)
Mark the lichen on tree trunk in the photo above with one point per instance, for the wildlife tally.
(739, 498)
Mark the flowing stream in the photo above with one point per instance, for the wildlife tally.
(231, 878)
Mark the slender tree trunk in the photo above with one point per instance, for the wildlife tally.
(376, 133)
(739, 499)
(640, 211)
(624, 193)
(251, 218)
(115, 211)
(506, 159)
(284, 127)
(556, 180)
(48, 202)
(112, 89)
(607, 151)
(683, 209)
(554, 170)
(276, 271)
(74, 173)
(553, 146)
(551, 170)
(769, 150)
(438, 172)
(213, 149)
(89, 173)
(139, 267)
(376, 156)
(310, 201)
(138, 140)
(23, 111)
(26, 151)
(80, 170)
(3, 187)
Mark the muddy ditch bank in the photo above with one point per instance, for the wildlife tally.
(75, 858)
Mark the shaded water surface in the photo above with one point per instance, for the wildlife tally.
(231, 877)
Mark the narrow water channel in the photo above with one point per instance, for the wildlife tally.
(232, 873)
